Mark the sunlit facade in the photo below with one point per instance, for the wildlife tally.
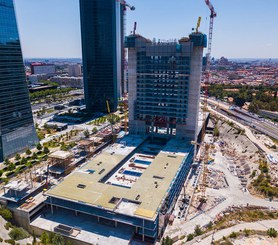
(17, 130)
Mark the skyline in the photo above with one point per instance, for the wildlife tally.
(44, 34)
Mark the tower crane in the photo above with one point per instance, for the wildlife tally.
(205, 109)
(126, 5)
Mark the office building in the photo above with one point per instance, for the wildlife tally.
(17, 130)
(43, 68)
(74, 70)
(164, 85)
(102, 52)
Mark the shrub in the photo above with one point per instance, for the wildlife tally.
(246, 232)
(190, 237)
(233, 235)
(18, 233)
(6, 214)
(10, 241)
(272, 232)
(1, 239)
(167, 241)
(8, 225)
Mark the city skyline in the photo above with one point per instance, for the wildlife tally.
(234, 37)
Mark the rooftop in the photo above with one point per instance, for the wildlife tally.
(90, 183)
(61, 155)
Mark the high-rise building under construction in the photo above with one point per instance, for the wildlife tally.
(17, 130)
(164, 85)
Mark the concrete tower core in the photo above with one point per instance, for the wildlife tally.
(164, 85)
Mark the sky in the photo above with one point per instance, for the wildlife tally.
(242, 28)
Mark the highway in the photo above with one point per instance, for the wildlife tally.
(250, 119)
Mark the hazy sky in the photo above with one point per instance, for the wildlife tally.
(243, 28)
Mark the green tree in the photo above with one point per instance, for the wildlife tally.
(190, 237)
(7, 162)
(86, 133)
(6, 214)
(28, 152)
(272, 232)
(18, 233)
(94, 130)
(216, 132)
(45, 238)
(167, 241)
(17, 157)
(58, 239)
(39, 147)
(23, 160)
(46, 150)
(198, 230)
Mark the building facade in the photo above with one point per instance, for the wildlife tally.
(42, 68)
(74, 70)
(102, 52)
(164, 85)
(17, 130)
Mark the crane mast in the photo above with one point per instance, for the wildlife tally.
(205, 109)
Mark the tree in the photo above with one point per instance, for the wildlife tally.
(18, 233)
(198, 230)
(46, 150)
(167, 241)
(17, 157)
(58, 239)
(6, 213)
(34, 156)
(216, 131)
(272, 232)
(34, 239)
(45, 238)
(94, 130)
(39, 147)
(28, 152)
(86, 133)
(23, 160)
(190, 237)
(7, 162)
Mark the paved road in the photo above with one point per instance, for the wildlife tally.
(262, 225)
(252, 120)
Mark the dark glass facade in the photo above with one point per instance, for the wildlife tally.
(101, 31)
(17, 130)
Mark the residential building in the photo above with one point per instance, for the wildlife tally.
(17, 130)
(164, 85)
(102, 52)
(74, 70)
(68, 82)
(43, 68)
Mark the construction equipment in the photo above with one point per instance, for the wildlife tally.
(198, 24)
(134, 28)
(205, 108)
(126, 5)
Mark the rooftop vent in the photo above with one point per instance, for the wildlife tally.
(101, 171)
(158, 177)
(81, 186)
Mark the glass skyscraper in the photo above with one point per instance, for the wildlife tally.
(101, 30)
(17, 130)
